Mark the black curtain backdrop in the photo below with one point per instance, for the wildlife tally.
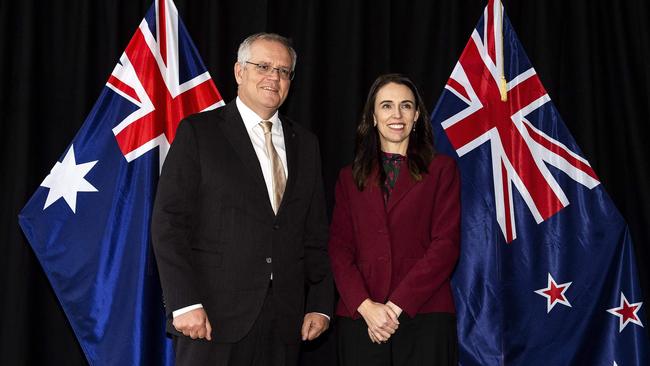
(55, 57)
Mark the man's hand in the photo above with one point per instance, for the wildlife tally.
(380, 318)
(194, 324)
(314, 325)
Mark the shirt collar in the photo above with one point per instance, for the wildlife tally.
(392, 156)
(251, 119)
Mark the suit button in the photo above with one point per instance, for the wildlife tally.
(382, 259)
(276, 227)
(268, 260)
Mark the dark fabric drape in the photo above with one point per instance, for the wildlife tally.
(55, 56)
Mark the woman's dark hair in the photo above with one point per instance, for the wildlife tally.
(367, 155)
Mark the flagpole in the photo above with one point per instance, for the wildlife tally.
(502, 78)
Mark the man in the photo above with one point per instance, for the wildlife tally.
(239, 224)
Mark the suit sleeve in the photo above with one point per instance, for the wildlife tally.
(172, 220)
(436, 266)
(320, 291)
(343, 251)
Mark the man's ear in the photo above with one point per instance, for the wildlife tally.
(239, 70)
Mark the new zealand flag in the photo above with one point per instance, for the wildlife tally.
(88, 222)
(547, 274)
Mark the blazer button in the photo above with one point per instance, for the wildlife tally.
(268, 260)
(382, 259)
(276, 227)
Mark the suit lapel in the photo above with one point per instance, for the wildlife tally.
(235, 132)
(403, 185)
(291, 147)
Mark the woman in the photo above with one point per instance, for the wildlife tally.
(394, 238)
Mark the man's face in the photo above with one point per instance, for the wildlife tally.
(263, 92)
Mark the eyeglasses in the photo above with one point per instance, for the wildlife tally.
(267, 69)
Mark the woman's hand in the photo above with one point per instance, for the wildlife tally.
(396, 309)
(380, 318)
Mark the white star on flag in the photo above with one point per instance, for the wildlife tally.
(66, 179)
(626, 313)
(554, 293)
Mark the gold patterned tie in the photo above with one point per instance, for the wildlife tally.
(278, 177)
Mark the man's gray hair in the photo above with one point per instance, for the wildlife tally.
(244, 52)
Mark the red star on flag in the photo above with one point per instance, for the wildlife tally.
(554, 293)
(626, 313)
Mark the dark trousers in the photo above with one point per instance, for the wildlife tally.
(425, 340)
(260, 347)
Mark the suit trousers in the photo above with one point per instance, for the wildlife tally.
(260, 347)
(424, 340)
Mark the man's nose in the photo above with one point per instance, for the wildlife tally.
(275, 73)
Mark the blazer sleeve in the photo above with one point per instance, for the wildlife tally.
(436, 266)
(172, 220)
(343, 250)
(320, 290)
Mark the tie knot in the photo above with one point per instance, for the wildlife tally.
(266, 126)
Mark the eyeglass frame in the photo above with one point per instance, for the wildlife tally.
(259, 67)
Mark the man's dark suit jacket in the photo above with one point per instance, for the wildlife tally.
(217, 239)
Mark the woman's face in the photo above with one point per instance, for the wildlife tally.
(395, 114)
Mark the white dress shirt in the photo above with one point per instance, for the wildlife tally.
(256, 134)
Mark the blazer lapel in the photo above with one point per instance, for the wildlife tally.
(235, 132)
(403, 185)
(374, 196)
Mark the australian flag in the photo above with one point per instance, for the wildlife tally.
(88, 222)
(547, 274)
